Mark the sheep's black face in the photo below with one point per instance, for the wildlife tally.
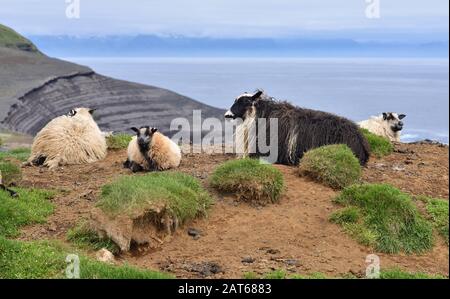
(394, 120)
(144, 137)
(242, 104)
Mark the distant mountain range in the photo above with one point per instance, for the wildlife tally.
(149, 45)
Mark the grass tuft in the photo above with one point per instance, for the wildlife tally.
(21, 154)
(379, 146)
(389, 220)
(181, 194)
(334, 165)
(118, 141)
(437, 210)
(85, 237)
(400, 274)
(249, 179)
(11, 173)
(37, 260)
(33, 206)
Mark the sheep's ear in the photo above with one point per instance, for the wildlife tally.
(385, 115)
(91, 111)
(153, 130)
(136, 130)
(257, 95)
(401, 116)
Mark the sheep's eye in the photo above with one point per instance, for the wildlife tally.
(72, 112)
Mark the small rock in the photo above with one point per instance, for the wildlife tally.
(291, 262)
(52, 227)
(408, 162)
(104, 255)
(272, 251)
(193, 232)
(398, 168)
(248, 260)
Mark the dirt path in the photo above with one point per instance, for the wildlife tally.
(294, 235)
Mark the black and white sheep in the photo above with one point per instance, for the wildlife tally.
(150, 150)
(388, 124)
(299, 129)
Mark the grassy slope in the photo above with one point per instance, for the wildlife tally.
(382, 216)
(33, 206)
(437, 210)
(48, 260)
(11, 39)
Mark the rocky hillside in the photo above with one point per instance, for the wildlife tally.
(35, 88)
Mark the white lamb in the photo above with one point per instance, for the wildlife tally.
(388, 125)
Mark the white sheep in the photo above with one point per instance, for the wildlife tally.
(151, 150)
(388, 125)
(74, 138)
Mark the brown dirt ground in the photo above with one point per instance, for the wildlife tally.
(294, 234)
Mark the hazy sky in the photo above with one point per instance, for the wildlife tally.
(224, 18)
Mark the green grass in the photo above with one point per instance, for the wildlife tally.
(33, 260)
(437, 210)
(384, 274)
(10, 172)
(119, 141)
(400, 274)
(276, 274)
(85, 237)
(181, 194)
(11, 39)
(382, 216)
(20, 154)
(33, 206)
(379, 146)
(249, 179)
(333, 165)
(1, 141)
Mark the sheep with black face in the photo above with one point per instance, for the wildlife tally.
(299, 129)
(150, 150)
(388, 124)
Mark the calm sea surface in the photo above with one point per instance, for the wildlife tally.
(354, 88)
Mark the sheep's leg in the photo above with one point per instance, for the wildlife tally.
(152, 166)
(52, 164)
(135, 167)
(127, 164)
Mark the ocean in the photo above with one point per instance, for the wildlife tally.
(354, 88)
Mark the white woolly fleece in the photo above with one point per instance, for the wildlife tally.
(69, 140)
(379, 126)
